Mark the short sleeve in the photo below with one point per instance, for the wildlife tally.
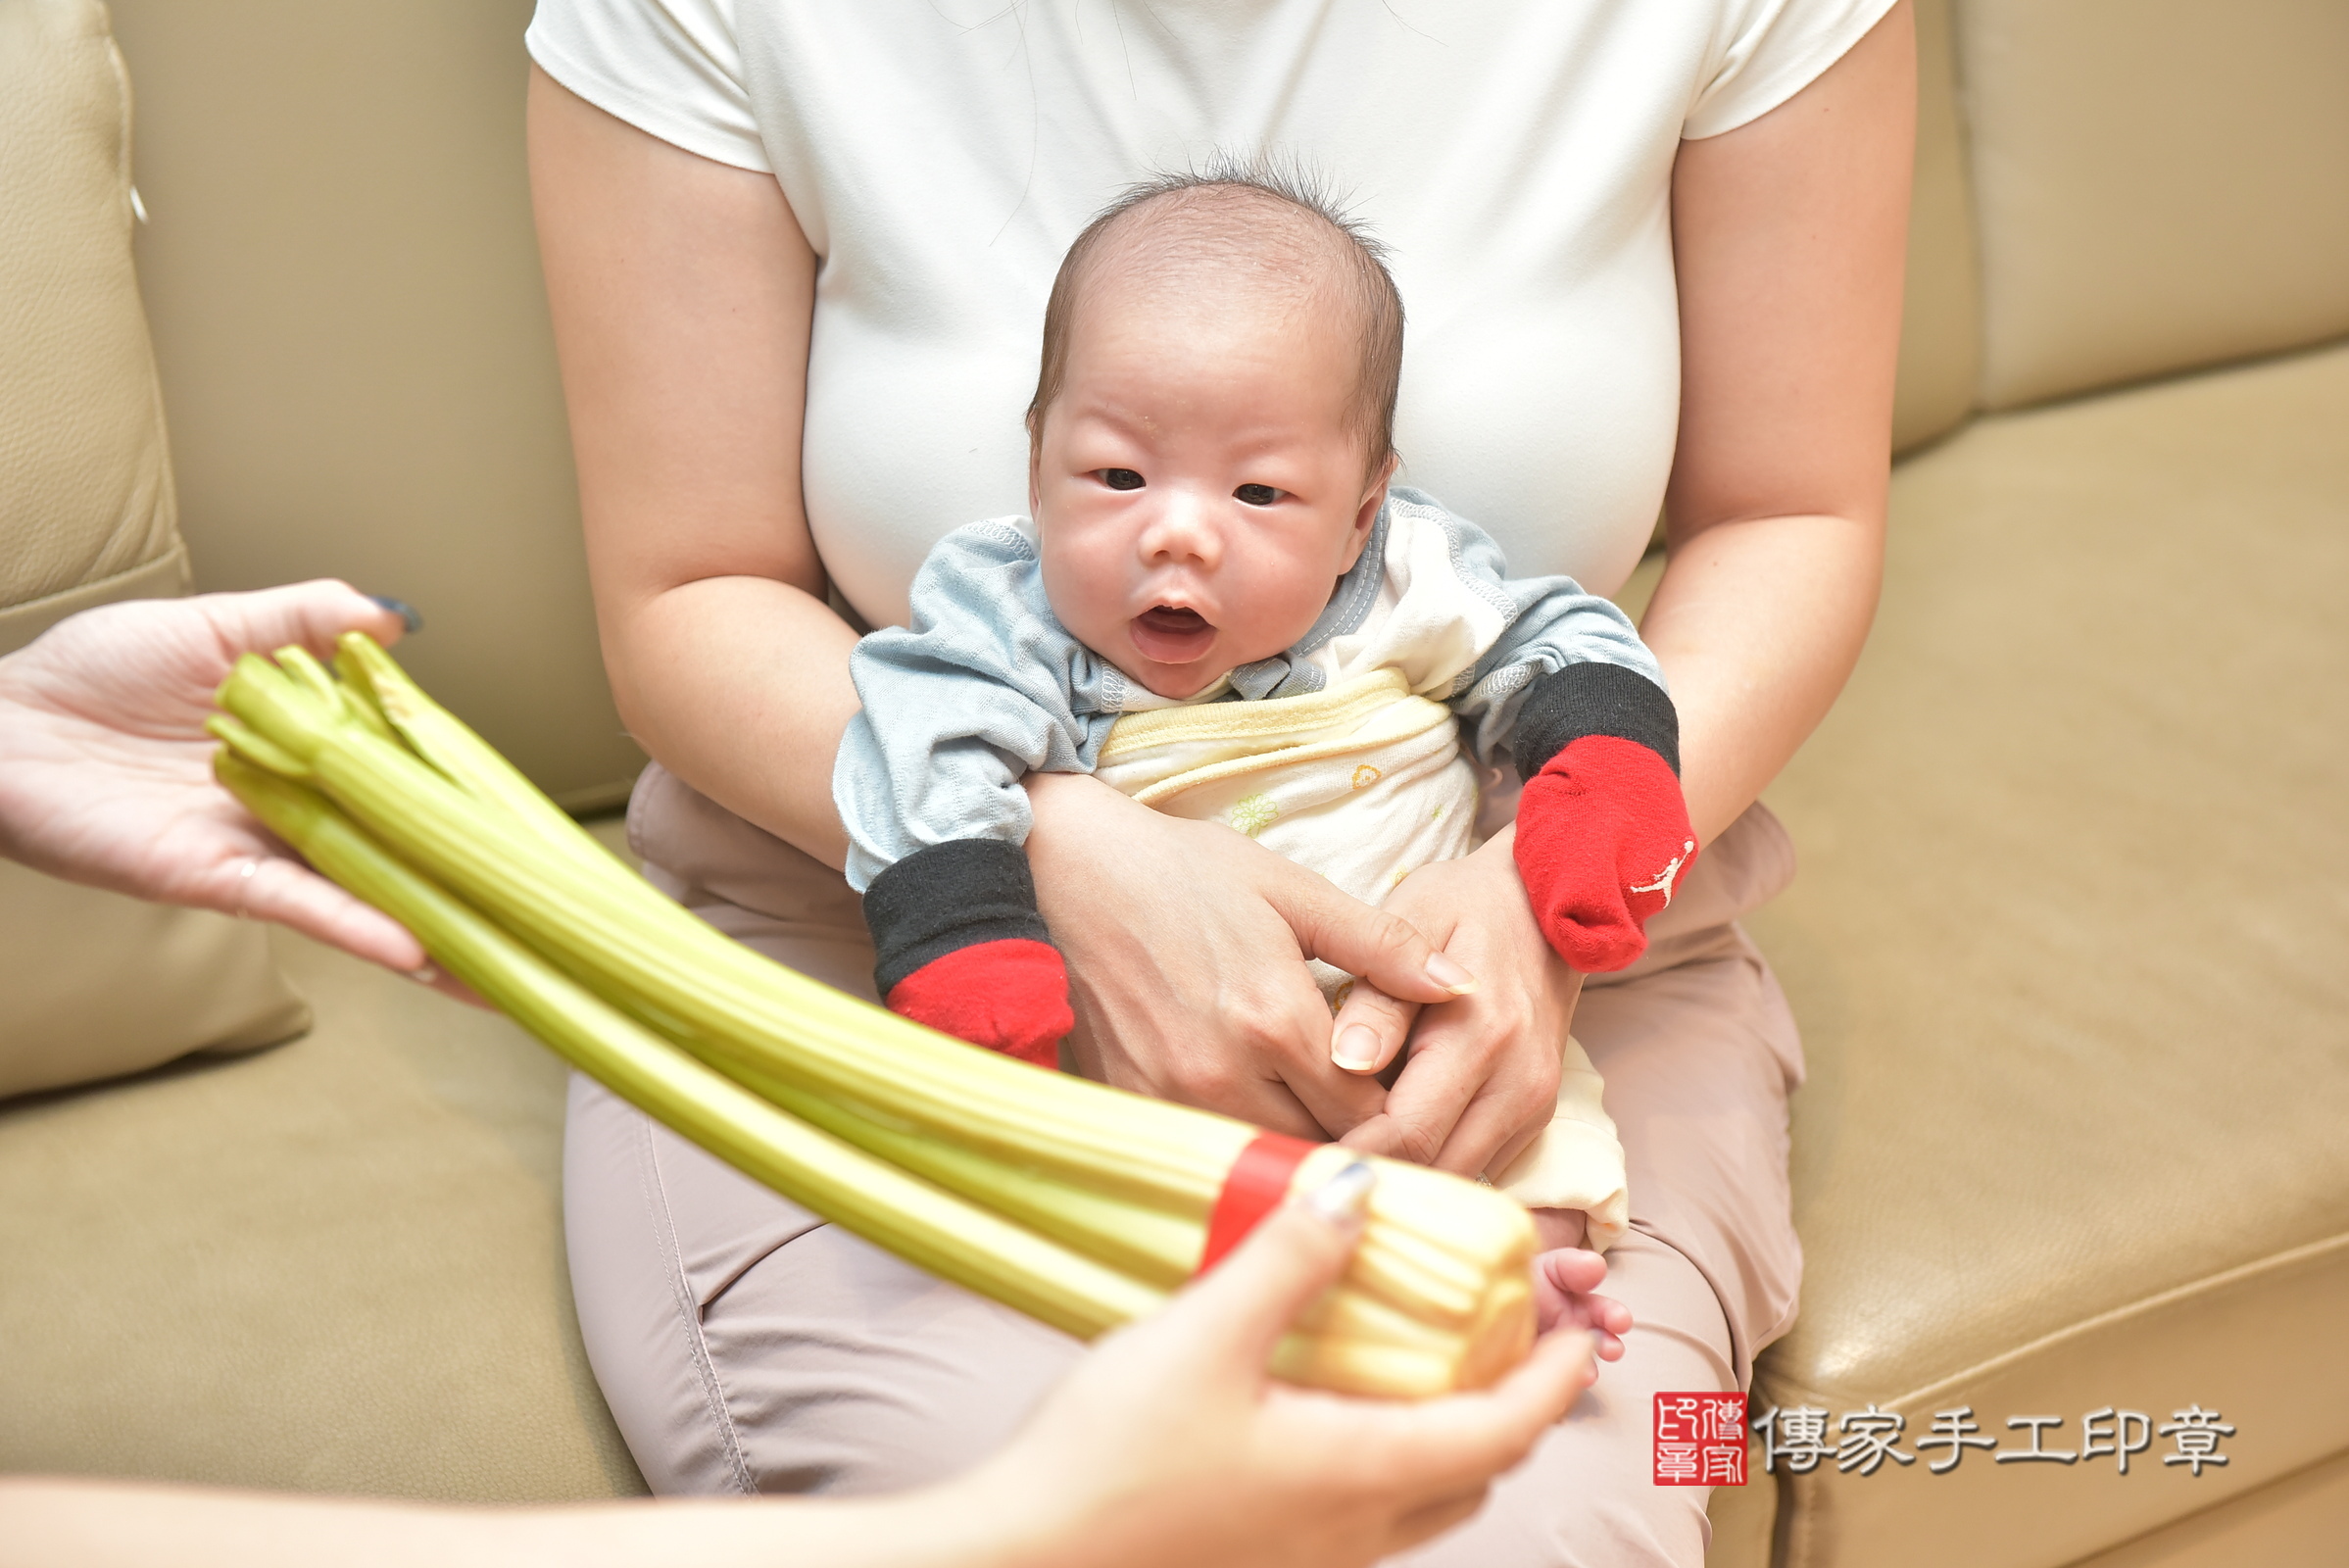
(1770, 50)
(669, 67)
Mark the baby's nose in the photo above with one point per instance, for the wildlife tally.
(1182, 530)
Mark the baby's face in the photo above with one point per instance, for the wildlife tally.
(1197, 488)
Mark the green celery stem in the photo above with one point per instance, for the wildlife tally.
(930, 1228)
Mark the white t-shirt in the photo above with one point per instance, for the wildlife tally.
(1515, 155)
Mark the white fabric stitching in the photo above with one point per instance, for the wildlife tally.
(656, 1197)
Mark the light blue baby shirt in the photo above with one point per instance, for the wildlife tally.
(986, 686)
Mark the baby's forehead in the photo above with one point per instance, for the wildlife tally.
(1234, 243)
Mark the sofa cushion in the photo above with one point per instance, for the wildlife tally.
(1940, 316)
(2292, 1523)
(97, 985)
(2067, 949)
(93, 984)
(335, 1267)
(2158, 183)
(85, 488)
(354, 337)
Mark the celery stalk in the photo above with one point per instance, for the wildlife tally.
(451, 747)
(929, 1228)
(1119, 1177)
(635, 947)
(1147, 1242)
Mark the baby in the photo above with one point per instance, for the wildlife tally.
(1222, 609)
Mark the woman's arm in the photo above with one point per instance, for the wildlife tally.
(1168, 1446)
(682, 292)
(1789, 235)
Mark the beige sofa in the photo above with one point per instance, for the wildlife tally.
(2066, 948)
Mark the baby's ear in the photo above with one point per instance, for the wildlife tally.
(1367, 515)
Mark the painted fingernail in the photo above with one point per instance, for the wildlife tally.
(1357, 1049)
(406, 611)
(1449, 975)
(1339, 1199)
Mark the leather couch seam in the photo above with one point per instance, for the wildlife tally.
(178, 547)
(2175, 1294)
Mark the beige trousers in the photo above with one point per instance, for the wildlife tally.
(743, 1346)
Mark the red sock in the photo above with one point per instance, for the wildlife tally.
(1009, 996)
(1603, 839)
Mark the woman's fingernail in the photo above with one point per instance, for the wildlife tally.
(1449, 975)
(1357, 1048)
(1339, 1199)
(424, 976)
(408, 617)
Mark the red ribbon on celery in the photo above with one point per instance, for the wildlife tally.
(1252, 1189)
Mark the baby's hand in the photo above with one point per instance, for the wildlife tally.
(1008, 995)
(1603, 840)
(1602, 829)
(1565, 1280)
(959, 945)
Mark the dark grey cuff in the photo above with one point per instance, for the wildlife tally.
(1592, 699)
(949, 896)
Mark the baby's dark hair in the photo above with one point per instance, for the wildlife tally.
(1252, 209)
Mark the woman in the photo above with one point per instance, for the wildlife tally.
(1167, 1445)
(797, 254)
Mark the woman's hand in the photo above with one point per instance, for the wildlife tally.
(1170, 1444)
(1186, 946)
(1483, 1074)
(106, 771)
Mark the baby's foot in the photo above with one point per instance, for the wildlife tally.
(1561, 1227)
(1566, 1281)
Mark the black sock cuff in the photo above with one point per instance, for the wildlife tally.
(947, 896)
(1592, 699)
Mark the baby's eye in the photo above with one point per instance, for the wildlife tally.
(1120, 478)
(1257, 495)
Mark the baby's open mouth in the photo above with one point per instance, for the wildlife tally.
(1167, 635)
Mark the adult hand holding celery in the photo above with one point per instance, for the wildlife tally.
(1075, 1202)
